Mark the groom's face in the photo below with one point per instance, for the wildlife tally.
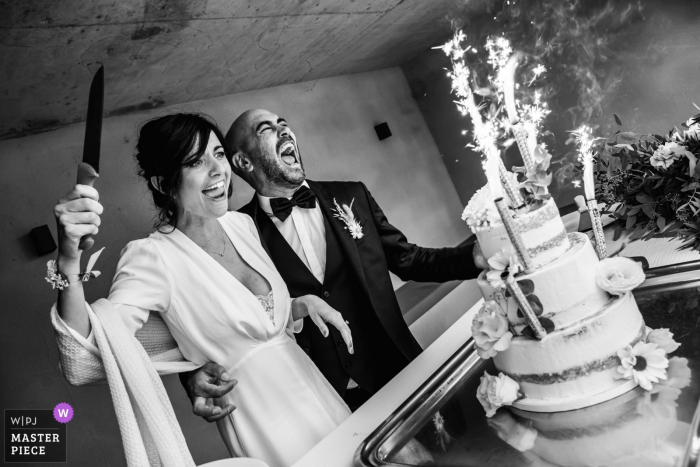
(273, 150)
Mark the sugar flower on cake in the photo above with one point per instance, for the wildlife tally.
(481, 210)
(668, 153)
(645, 363)
(619, 275)
(663, 338)
(497, 391)
(503, 265)
(520, 436)
(490, 331)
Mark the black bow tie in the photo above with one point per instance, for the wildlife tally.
(282, 207)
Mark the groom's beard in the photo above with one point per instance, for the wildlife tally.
(277, 172)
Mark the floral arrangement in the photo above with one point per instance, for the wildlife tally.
(653, 183)
(481, 210)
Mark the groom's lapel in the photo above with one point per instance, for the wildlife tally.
(347, 243)
(283, 255)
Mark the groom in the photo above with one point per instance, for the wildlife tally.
(330, 239)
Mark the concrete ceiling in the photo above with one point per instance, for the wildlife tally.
(163, 52)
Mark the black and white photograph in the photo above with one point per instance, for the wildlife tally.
(350, 233)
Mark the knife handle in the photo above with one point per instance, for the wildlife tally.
(86, 176)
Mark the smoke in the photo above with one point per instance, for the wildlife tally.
(578, 42)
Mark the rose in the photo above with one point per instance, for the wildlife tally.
(519, 436)
(497, 391)
(490, 331)
(619, 275)
(667, 154)
(663, 339)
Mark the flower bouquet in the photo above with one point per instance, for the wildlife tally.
(653, 183)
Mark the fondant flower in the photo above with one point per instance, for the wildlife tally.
(663, 339)
(667, 154)
(520, 436)
(490, 331)
(503, 264)
(646, 363)
(481, 210)
(619, 275)
(497, 391)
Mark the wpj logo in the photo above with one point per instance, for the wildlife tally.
(36, 435)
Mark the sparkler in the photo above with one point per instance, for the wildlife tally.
(507, 77)
(485, 133)
(585, 141)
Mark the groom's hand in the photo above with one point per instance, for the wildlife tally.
(207, 383)
(479, 260)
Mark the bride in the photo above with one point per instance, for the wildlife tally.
(205, 272)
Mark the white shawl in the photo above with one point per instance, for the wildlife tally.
(131, 365)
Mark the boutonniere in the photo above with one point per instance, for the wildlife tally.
(344, 213)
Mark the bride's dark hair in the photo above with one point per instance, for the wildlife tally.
(164, 147)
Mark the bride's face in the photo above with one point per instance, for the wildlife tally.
(205, 182)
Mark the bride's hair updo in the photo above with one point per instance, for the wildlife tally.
(164, 147)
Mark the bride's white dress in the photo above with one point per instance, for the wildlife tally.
(284, 404)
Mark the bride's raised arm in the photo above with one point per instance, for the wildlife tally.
(77, 215)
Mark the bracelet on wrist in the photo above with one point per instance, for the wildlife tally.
(60, 281)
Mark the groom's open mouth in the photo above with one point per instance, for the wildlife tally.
(288, 153)
(216, 191)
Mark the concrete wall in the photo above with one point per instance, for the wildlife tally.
(333, 119)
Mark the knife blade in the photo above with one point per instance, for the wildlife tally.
(88, 169)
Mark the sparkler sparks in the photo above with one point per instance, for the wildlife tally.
(491, 121)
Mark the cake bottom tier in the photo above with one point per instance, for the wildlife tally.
(575, 366)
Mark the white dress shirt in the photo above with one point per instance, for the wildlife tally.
(305, 232)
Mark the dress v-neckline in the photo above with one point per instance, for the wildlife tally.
(201, 252)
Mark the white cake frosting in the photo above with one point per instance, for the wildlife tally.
(574, 267)
(575, 364)
(542, 231)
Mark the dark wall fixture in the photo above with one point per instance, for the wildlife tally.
(383, 131)
(43, 240)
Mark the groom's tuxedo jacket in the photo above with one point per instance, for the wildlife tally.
(357, 284)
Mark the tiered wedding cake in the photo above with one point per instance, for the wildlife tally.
(596, 345)
(559, 318)
(575, 364)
